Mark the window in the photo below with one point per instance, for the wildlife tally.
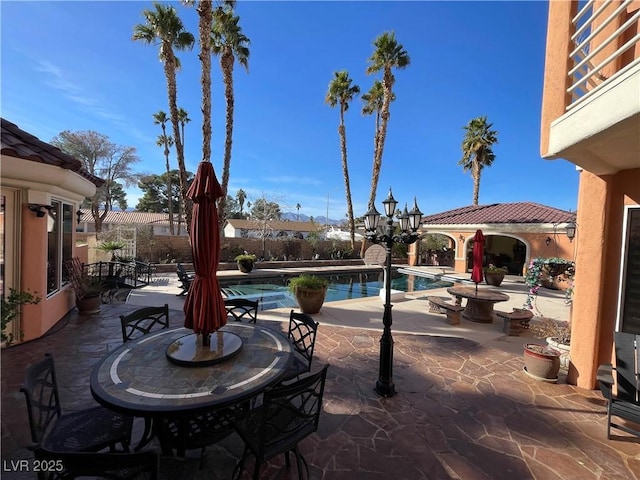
(59, 243)
(629, 306)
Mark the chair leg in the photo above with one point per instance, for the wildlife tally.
(609, 420)
(256, 470)
(299, 462)
(237, 471)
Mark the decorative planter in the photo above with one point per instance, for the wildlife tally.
(89, 305)
(245, 266)
(541, 362)
(310, 300)
(563, 349)
(494, 279)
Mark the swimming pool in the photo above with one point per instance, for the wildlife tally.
(272, 292)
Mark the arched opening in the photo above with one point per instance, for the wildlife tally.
(501, 251)
(436, 249)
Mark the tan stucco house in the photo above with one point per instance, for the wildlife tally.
(41, 189)
(514, 234)
(591, 118)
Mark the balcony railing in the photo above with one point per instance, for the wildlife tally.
(589, 57)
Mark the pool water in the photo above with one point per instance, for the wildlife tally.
(272, 292)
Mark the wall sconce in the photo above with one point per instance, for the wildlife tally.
(548, 241)
(39, 209)
(79, 215)
(571, 230)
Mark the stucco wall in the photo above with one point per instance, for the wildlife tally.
(601, 202)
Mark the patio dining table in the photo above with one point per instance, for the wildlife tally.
(139, 379)
(479, 306)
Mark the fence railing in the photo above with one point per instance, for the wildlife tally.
(589, 39)
(132, 274)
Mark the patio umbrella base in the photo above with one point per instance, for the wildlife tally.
(188, 351)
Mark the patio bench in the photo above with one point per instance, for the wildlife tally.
(516, 321)
(452, 311)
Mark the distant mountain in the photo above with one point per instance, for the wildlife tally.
(305, 218)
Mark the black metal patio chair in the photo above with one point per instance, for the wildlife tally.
(241, 309)
(89, 430)
(144, 320)
(302, 335)
(287, 415)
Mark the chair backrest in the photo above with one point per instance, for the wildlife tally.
(181, 271)
(143, 321)
(302, 335)
(627, 365)
(241, 309)
(41, 391)
(290, 413)
(117, 466)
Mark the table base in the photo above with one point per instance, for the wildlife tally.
(188, 351)
(478, 311)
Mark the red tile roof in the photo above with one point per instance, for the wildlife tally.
(20, 144)
(519, 212)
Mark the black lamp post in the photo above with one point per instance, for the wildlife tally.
(409, 223)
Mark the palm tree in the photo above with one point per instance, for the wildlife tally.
(241, 197)
(373, 104)
(164, 26)
(477, 151)
(298, 208)
(166, 141)
(341, 92)
(183, 118)
(388, 54)
(230, 44)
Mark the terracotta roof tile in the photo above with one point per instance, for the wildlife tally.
(20, 144)
(519, 212)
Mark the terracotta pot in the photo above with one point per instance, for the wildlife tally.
(89, 305)
(245, 266)
(310, 301)
(494, 279)
(541, 361)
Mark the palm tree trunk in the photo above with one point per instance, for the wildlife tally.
(476, 181)
(170, 74)
(169, 188)
(226, 63)
(345, 171)
(205, 14)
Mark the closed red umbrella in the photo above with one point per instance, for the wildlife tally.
(204, 310)
(478, 254)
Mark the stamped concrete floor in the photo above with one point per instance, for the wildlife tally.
(463, 410)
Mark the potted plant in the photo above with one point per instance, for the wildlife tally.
(11, 306)
(245, 262)
(494, 275)
(541, 362)
(557, 334)
(112, 247)
(543, 270)
(88, 289)
(310, 291)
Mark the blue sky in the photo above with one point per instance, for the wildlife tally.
(73, 66)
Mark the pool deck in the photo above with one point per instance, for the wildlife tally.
(464, 408)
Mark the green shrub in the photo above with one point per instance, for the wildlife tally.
(311, 282)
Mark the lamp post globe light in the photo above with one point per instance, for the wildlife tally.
(409, 223)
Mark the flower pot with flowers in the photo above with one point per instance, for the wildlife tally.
(494, 275)
(541, 271)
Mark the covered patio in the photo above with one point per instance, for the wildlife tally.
(464, 407)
